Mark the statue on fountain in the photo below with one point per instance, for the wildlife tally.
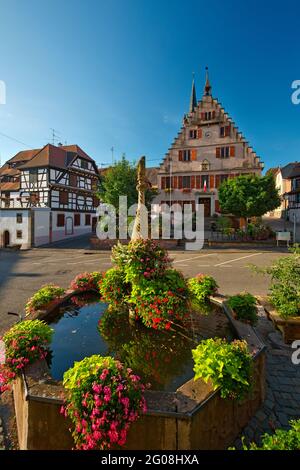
(140, 228)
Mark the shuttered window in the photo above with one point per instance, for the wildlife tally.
(76, 220)
(63, 197)
(194, 154)
(73, 180)
(60, 221)
(186, 182)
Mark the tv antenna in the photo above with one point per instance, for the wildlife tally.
(55, 135)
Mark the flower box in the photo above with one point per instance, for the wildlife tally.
(289, 327)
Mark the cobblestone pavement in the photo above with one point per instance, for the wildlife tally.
(282, 401)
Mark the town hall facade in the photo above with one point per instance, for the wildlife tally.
(208, 149)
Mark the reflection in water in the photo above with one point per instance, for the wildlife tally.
(163, 358)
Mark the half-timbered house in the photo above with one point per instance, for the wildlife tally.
(54, 188)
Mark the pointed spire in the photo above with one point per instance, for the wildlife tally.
(207, 88)
(193, 100)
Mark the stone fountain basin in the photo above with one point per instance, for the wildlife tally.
(193, 417)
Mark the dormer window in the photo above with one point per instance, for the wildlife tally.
(205, 165)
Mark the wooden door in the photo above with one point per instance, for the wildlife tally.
(6, 238)
(94, 224)
(206, 202)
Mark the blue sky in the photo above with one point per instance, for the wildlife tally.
(118, 72)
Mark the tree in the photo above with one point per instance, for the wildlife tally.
(249, 195)
(121, 180)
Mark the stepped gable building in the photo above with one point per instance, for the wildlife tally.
(47, 195)
(208, 149)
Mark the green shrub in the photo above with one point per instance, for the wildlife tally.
(244, 307)
(201, 287)
(25, 343)
(285, 284)
(224, 224)
(227, 365)
(280, 440)
(113, 288)
(43, 297)
(86, 281)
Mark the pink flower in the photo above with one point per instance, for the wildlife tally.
(113, 436)
(97, 388)
(104, 374)
(97, 435)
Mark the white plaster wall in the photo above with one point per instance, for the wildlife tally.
(59, 233)
(41, 226)
(8, 221)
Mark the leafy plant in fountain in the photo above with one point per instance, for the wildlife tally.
(200, 288)
(161, 302)
(113, 287)
(280, 440)
(244, 307)
(25, 343)
(227, 365)
(43, 297)
(86, 281)
(141, 258)
(103, 399)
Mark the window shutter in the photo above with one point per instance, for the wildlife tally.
(211, 181)
(218, 152)
(232, 151)
(217, 181)
(179, 182)
(199, 133)
(213, 115)
(193, 182)
(194, 154)
(203, 116)
(180, 156)
(227, 131)
(96, 201)
(175, 182)
(198, 186)
(163, 182)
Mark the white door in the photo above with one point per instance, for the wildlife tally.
(69, 225)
